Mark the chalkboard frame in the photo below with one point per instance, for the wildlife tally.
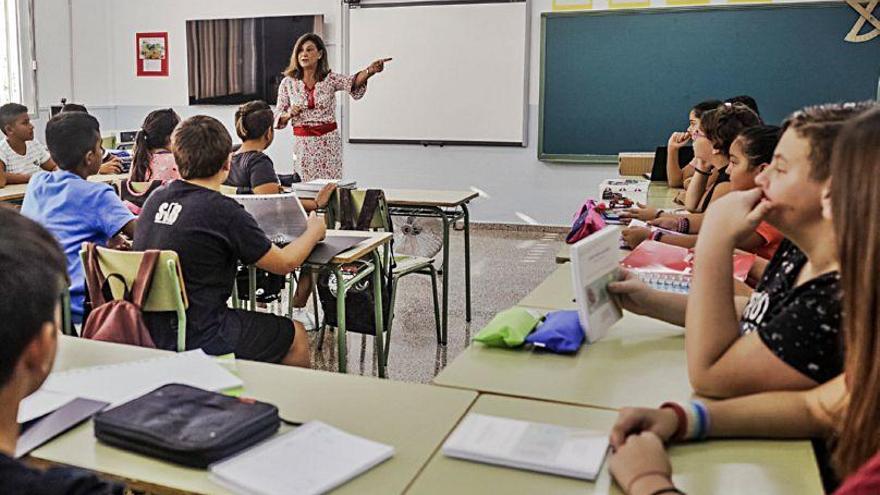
(597, 159)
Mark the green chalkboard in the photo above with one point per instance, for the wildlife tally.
(623, 80)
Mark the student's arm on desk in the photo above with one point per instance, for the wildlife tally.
(634, 295)
(801, 414)
(720, 362)
(282, 261)
(10, 178)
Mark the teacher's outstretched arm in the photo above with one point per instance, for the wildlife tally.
(371, 70)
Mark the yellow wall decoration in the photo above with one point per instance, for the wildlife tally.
(563, 5)
(628, 4)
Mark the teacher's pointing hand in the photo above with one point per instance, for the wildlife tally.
(377, 66)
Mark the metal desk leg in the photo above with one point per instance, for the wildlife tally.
(378, 310)
(467, 262)
(341, 341)
(446, 227)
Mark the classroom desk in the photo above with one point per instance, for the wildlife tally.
(449, 206)
(415, 419)
(556, 292)
(718, 466)
(641, 362)
(15, 192)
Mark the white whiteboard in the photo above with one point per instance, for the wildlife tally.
(459, 73)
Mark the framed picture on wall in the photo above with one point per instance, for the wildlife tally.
(152, 54)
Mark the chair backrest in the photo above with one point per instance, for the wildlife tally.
(380, 217)
(163, 295)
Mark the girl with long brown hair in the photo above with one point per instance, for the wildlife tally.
(307, 98)
(845, 410)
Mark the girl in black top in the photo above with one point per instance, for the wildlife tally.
(252, 172)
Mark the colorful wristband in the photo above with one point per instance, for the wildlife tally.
(684, 225)
(682, 420)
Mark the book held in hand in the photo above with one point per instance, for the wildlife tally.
(593, 267)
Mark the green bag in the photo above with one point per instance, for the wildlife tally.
(509, 328)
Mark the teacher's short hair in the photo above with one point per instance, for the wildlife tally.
(201, 146)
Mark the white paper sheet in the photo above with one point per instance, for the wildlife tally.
(119, 383)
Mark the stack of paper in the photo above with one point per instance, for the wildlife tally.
(119, 383)
(315, 458)
(546, 448)
(310, 189)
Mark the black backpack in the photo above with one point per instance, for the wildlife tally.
(359, 301)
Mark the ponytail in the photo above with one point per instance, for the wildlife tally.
(154, 134)
(253, 120)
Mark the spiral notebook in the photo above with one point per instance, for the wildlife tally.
(283, 219)
(281, 216)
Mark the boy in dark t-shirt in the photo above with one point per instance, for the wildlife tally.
(28, 340)
(211, 233)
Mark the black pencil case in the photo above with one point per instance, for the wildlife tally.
(187, 425)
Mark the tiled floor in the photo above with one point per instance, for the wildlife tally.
(506, 265)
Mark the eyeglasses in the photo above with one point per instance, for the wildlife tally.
(697, 133)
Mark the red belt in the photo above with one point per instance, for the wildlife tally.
(314, 130)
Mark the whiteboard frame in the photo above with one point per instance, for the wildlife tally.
(523, 143)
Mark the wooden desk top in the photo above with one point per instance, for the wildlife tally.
(372, 240)
(428, 197)
(718, 466)
(413, 418)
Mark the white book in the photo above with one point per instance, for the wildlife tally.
(546, 448)
(594, 264)
(314, 458)
(120, 383)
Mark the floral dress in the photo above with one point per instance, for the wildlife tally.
(316, 143)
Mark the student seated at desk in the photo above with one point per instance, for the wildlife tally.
(211, 233)
(152, 158)
(252, 172)
(74, 209)
(843, 411)
(21, 156)
(32, 276)
(787, 335)
(111, 164)
(750, 153)
(675, 176)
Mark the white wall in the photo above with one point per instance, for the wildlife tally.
(519, 187)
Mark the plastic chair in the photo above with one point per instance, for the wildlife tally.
(167, 291)
(403, 265)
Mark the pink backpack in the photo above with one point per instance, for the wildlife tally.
(587, 221)
(118, 320)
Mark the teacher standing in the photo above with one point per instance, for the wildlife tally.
(307, 98)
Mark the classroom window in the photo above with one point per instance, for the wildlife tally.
(17, 83)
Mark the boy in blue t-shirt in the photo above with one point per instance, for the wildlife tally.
(73, 209)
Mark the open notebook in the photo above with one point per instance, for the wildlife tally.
(314, 458)
(283, 219)
(281, 216)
